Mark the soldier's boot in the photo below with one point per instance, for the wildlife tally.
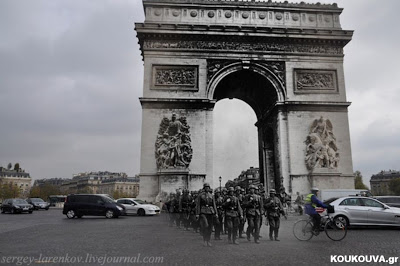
(209, 244)
(205, 243)
(276, 235)
(271, 231)
(235, 241)
(248, 236)
(229, 237)
(256, 240)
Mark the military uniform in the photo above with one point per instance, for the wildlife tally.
(233, 214)
(219, 200)
(253, 204)
(274, 209)
(240, 197)
(193, 221)
(184, 208)
(206, 210)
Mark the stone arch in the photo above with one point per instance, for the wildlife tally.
(259, 68)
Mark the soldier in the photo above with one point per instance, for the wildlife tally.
(193, 221)
(240, 197)
(233, 214)
(263, 198)
(205, 212)
(224, 196)
(219, 200)
(253, 204)
(170, 208)
(175, 202)
(243, 221)
(274, 208)
(184, 208)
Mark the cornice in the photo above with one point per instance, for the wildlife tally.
(177, 103)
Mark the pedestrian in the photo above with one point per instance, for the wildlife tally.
(206, 210)
(253, 204)
(219, 200)
(233, 214)
(274, 209)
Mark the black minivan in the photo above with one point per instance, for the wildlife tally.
(78, 205)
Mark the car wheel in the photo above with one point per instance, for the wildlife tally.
(110, 214)
(141, 212)
(70, 214)
(79, 216)
(30, 212)
(343, 219)
(47, 209)
(3, 211)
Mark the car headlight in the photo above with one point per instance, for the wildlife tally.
(17, 207)
(119, 208)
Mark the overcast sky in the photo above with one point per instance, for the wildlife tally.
(71, 75)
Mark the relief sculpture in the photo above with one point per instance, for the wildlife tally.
(321, 151)
(173, 145)
(175, 76)
(315, 81)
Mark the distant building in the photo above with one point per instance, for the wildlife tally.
(57, 182)
(249, 177)
(102, 183)
(16, 177)
(380, 182)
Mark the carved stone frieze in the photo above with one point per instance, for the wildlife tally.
(315, 81)
(175, 76)
(276, 47)
(321, 150)
(173, 145)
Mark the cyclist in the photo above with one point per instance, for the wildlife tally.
(310, 203)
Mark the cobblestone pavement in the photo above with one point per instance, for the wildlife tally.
(96, 241)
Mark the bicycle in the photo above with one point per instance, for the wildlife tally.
(335, 229)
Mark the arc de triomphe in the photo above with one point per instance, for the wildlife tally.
(285, 60)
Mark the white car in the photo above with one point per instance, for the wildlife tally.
(139, 207)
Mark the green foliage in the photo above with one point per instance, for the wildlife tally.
(8, 190)
(16, 166)
(9, 166)
(117, 195)
(44, 191)
(358, 182)
(394, 186)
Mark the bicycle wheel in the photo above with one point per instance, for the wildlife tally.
(302, 230)
(335, 229)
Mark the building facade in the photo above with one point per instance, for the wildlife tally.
(102, 183)
(16, 178)
(380, 182)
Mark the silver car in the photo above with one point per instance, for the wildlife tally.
(365, 211)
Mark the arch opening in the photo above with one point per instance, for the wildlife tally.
(257, 90)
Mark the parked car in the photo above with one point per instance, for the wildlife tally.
(38, 203)
(78, 205)
(365, 211)
(139, 207)
(16, 206)
(392, 201)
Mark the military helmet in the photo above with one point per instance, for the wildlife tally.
(231, 189)
(252, 187)
(224, 189)
(237, 188)
(206, 185)
(242, 189)
(272, 191)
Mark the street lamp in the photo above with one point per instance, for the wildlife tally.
(220, 179)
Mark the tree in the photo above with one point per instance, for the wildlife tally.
(358, 182)
(9, 166)
(9, 190)
(44, 191)
(394, 186)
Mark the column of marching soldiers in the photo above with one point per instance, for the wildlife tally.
(226, 211)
